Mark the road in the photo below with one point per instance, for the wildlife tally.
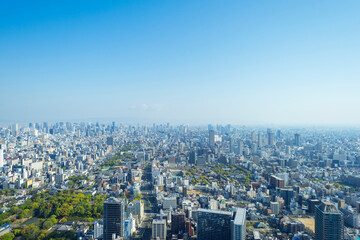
(148, 196)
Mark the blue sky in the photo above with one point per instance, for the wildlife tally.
(192, 62)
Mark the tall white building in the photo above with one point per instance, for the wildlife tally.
(98, 230)
(1, 158)
(275, 207)
(159, 229)
(238, 225)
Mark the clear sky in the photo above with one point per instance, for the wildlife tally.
(188, 61)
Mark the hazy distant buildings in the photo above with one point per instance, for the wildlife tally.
(259, 140)
(270, 138)
(240, 147)
(211, 138)
(329, 222)
(192, 157)
(297, 139)
(1, 158)
(110, 141)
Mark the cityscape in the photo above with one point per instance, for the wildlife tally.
(116, 181)
(179, 120)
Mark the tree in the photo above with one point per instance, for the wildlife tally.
(30, 232)
(47, 224)
(8, 236)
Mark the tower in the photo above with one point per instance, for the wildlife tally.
(213, 225)
(238, 225)
(329, 222)
(259, 140)
(297, 139)
(211, 138)
(114, 217)
(1, 158)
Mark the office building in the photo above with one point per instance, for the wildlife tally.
(114, 217)
(178, 221)
(192, 157)
(211, 138)
(238, 225)
(213, 224)
(159, 229)
(277, 182)
(270, 138)
(297, 139)
(288, 196)
(1, 158)
(110, 141)
(259, 140)
(275, 207)
(329, 222)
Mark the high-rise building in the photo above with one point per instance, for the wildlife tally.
(288, 196)
(159, 229)
(329, 222)
(238, 225)
(270, 138)
(275, 207)
(297, 139)
(178, 220)
(253, 136)
(1, 158)
(278, 134)
(110, 141)
(213, 224)
(114, 217)
(277, 182)
(98, 229)
(211, 138)
(192, 157)
(231, 145)
(259, 140)
(240, 147)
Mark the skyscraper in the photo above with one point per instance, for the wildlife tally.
(1, 158)
(270, 138)
(240, 147)
(297, 139)
(192, 157)
(238, 225)
(211, 138)
(213, 224)
(109, 141)
(259, 140)
(114, 217)
(329, 222)
(231, 145)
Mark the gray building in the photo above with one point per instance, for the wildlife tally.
(329, 222)
(238, 225)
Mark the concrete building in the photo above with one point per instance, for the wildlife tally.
(329, 222)
(238, 225)
(159, 229)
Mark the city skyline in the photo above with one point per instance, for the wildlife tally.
(257, 63)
